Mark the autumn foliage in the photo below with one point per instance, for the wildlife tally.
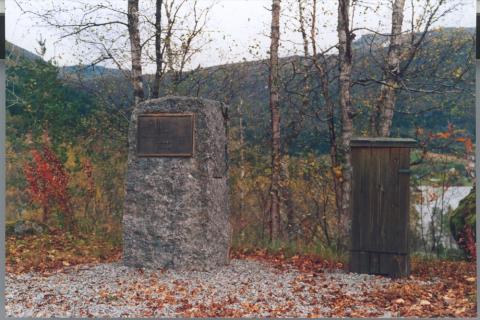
(468, 242)
(55, 251)
(47, 182)
(452, 135)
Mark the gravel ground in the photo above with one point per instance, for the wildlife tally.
(244, 288)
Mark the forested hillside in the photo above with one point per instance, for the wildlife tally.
(82, 112)
(439, 90)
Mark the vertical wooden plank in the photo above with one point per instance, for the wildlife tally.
(404, 200)
(365, 225)
(398, 266)
(392, 216)
(356, 198)
(353, 265)
(364, 262)
(365, 195)
(374, 263)
(370, 224)
(373, 196)
(385, 264)
(384, 190)
(407, 263)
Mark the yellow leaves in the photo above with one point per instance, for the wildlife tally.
(366, 102)
(471, 279)
(103, 293)
(395, 85)
(459, 311)
(399, 301)
(458, 72)
(71, 162)
(337, 171)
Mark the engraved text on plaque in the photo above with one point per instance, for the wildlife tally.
(165, 135)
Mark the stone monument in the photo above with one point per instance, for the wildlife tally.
(176, 212)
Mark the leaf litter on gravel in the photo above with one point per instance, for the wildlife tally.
(253, 285)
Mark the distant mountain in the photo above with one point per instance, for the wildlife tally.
(436, 98)
(13, 52)
(369, 39)
(87, 71)
(90, 71)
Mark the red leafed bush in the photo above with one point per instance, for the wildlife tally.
(48, 182)
(469, 243)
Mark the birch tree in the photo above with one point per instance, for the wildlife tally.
(158, 49)
(320, 62)
(385, 104)
(273, 83)
(403, 48)
(136, 51)
(345, 100)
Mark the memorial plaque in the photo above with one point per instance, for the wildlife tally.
(165, 135)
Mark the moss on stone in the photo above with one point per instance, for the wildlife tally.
(464, 215)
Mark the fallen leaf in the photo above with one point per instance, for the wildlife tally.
(424, 303)
(471, 279)
(448, 300)
(459, 311)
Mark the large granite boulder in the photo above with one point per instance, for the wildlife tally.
(176, 212)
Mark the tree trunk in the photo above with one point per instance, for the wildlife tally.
(158, 49)
(382, 115)
(242, 157)
(330, 112)
(306, 86)
(136, 51)
(45, 215)
(275, 122)
(345, 72)
(170, 68)
(287, 199)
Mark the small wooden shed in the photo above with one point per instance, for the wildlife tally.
(380, 206)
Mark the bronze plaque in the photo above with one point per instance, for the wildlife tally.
(165, 135)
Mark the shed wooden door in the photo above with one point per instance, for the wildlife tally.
(380, 207)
